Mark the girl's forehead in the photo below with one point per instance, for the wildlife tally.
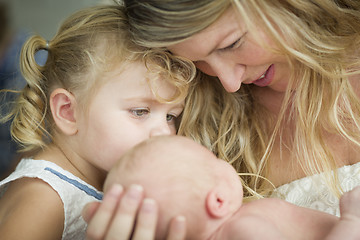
(133, 80)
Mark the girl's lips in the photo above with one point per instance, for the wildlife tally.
(267, 77)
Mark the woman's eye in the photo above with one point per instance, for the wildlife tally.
(233, 45)
(139, 112)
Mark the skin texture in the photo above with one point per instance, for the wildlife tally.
(20, 211)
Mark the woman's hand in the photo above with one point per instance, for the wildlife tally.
(114, 218)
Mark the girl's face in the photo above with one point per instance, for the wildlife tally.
(228, 50)
(123, 113)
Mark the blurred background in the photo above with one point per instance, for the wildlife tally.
(18, 20)
(42, 16)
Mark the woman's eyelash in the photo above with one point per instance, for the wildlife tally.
(232, 45)
(235, 44)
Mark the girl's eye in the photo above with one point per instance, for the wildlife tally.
(139, 112)
(170, 117)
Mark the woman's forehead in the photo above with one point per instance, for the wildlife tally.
(206, 41)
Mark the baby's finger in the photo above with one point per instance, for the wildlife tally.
(99, 224)
(124, 218)
(146, 221)
(177, 229)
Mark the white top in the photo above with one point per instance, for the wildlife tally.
(312, 192)
(73, 191)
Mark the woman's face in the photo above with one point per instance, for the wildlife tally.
(228, 50)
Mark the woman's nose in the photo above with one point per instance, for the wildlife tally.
(230, 74)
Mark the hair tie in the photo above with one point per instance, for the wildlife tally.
(47, 45)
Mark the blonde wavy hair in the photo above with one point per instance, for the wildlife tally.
(89, 43)
(320, 39)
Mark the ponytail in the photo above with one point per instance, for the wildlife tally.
(29, 114)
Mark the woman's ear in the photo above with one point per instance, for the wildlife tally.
(62, 105)
(217, 202)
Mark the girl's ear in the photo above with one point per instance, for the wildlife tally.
(217, 202)
(62, 105)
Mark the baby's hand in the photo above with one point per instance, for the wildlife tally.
(114, 218)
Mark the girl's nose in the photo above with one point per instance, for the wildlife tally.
(161, 129)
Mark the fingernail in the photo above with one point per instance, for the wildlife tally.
(116, 189)
(179, 224)
(135, 191)
(148, 205)
(180, 219)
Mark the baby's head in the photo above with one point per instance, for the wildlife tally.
(184, 178)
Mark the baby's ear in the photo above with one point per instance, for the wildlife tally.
(62, 105)
(217, 202)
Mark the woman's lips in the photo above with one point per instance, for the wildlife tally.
(266, 78)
